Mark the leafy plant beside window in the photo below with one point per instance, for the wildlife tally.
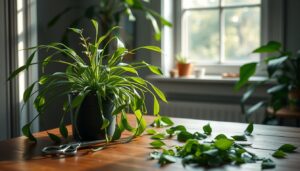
(108, 13)
(283, 68)
(94, 73)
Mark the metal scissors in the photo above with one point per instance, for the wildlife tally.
(69, 149)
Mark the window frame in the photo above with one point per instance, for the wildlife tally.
(272, 28)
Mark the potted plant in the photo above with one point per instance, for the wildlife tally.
(184, 67)
(99, 85)
(283, 68)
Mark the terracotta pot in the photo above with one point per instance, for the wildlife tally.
(184, 69)
(294, 99)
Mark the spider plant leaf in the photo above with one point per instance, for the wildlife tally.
(43, 79)
(77, 100)
(30, 58)
(16, 72)
(141, 122)
(160, 94)
(63, 130)
(76, 30)
(27, 132)
(105, 123)
(117, 133)
(27, 93)
(39, 103)
(54, 138)
(96, 27)
(155, 106)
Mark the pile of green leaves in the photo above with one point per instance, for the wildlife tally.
(93, 72)
(282, 66)
(220, 151)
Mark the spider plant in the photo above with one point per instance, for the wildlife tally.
(94, 72)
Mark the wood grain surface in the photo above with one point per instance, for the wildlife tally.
(19, 154)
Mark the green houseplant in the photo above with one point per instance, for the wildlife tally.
(283, 68)
(113, 87)
(109, 12)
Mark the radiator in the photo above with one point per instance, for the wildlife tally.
(208, 111)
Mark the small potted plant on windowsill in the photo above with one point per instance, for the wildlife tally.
(283, 68)
(183, 66)
(99, 85)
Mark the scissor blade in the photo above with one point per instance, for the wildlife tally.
(89, 143)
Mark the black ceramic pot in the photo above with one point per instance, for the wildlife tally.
(87, 125)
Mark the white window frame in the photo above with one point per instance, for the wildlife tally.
(272, 20)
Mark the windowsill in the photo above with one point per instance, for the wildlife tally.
(206, 79)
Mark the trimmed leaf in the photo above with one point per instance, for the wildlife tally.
(288, 148)
(174, 129)
(271, 46)
(246, 71)
(165, 159)
(223, 143)
(239, 137)
(279, 154)
(157, 144)
(158, 136)
(151, 131)
(167, 120)
(207, 129)
(184, 136)
(54, 138)
(248, 131)
(268, 164)
(221, 136)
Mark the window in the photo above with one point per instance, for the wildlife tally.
(220, 31)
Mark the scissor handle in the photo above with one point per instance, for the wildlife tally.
(65, 149)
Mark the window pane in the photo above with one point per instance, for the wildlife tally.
(240, 2)
(199, 3)
(242, 33)
(201, 35)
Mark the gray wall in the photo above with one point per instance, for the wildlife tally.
(292, 25)
(46, 10)
(3, 75)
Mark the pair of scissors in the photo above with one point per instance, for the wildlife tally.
(69, 149)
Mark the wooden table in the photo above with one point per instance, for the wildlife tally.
(19, 154)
